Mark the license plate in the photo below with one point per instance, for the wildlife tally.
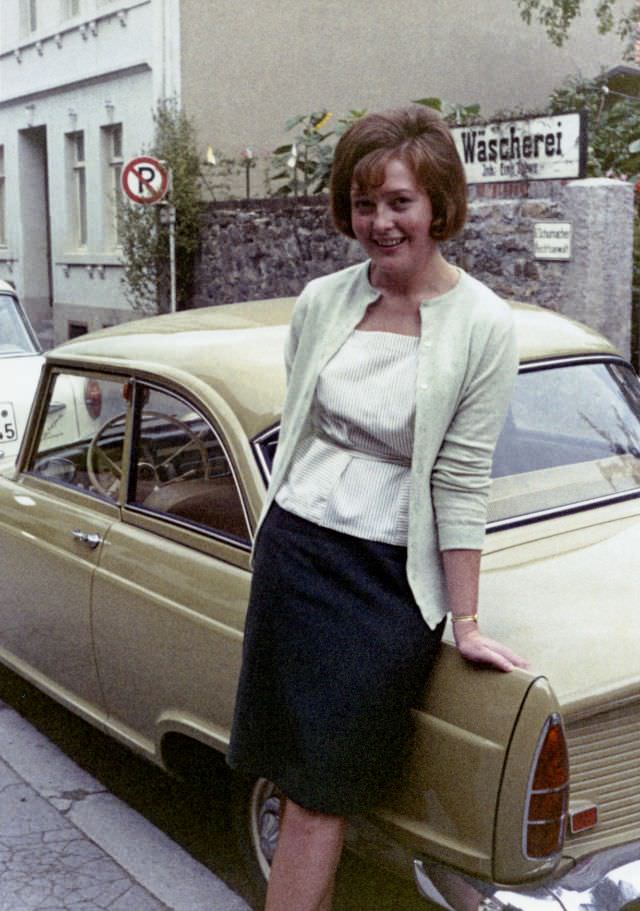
(8, 428)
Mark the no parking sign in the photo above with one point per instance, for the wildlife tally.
(145, 180)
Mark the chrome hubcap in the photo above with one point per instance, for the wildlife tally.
(265, 823)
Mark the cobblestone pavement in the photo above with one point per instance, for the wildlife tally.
(67, 844)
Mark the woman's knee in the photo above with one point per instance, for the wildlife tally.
(300, 822)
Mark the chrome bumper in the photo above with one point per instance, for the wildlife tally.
(606, 881)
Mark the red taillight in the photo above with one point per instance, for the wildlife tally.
(548, 793)
(93, 398)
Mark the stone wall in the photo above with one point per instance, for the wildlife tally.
(261, 248)
(270, 248)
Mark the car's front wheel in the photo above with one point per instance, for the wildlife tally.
(256, 820)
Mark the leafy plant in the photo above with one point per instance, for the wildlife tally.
(454, 114)
(143, 233)
(304, 165)
(557, 16)
(613, 124)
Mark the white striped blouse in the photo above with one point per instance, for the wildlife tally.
(352, 475)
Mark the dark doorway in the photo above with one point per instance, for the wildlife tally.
(36, 224)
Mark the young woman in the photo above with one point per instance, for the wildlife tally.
(400, 371)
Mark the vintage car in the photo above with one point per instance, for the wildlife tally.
(76, 406)
(133, 543)
(20, 363)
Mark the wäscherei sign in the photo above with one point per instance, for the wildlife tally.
(552, 147)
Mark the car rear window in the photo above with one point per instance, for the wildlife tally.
(572, 435)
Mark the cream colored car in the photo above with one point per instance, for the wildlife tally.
(133, 544)
(20, 363)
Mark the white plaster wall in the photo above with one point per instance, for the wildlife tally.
(62, 50)
(109, 65)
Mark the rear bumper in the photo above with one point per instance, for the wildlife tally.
(606, 881)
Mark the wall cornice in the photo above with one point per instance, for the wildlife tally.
(83, 82)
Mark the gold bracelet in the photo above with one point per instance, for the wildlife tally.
(466, 618)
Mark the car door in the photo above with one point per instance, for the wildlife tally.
(53, 522)
(171, 589)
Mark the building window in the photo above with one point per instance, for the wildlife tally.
(28, 16)
(112, 170)
(71, 8)
(78, 186)
(3, 222)
(75, 330)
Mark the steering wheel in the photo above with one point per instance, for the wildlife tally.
(105, 474)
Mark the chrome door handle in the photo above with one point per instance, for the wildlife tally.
(91, 538)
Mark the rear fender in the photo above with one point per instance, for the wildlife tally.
(446, 806)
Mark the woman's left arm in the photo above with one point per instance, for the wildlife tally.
(460, 487)
(462, 574)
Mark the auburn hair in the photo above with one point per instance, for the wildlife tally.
(419, 138)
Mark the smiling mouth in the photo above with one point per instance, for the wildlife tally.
(386, 244)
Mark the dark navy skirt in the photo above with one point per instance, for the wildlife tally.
(336, 653)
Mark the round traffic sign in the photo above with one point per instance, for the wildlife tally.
(145, 180)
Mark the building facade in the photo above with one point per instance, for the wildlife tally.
(80, 79)
(78, 84)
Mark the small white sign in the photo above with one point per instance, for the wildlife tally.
(552, 240)
(541, 148)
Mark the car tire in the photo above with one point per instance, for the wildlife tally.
(256, 804)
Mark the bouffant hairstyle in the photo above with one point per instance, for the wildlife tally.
(419, 138)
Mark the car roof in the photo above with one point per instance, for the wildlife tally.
(237, 349)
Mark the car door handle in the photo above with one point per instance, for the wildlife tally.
(90, 538)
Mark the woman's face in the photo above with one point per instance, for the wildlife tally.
(392, 221)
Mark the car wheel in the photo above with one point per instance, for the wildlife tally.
(256, 806)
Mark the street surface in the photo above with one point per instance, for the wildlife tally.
(86, 825)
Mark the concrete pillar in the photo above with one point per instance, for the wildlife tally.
(598, 280)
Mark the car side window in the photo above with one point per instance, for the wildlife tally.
(180, 468)
(82, 437)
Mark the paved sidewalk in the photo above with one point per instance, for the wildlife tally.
(67, 844)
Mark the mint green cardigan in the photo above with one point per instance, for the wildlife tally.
(467, 363)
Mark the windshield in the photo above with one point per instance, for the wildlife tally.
(572, 434)
(16, 337)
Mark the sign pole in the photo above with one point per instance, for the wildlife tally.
(172, 257)
(168, 217)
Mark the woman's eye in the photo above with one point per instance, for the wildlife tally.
(362, 205)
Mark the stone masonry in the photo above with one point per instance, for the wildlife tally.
(263, 248)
